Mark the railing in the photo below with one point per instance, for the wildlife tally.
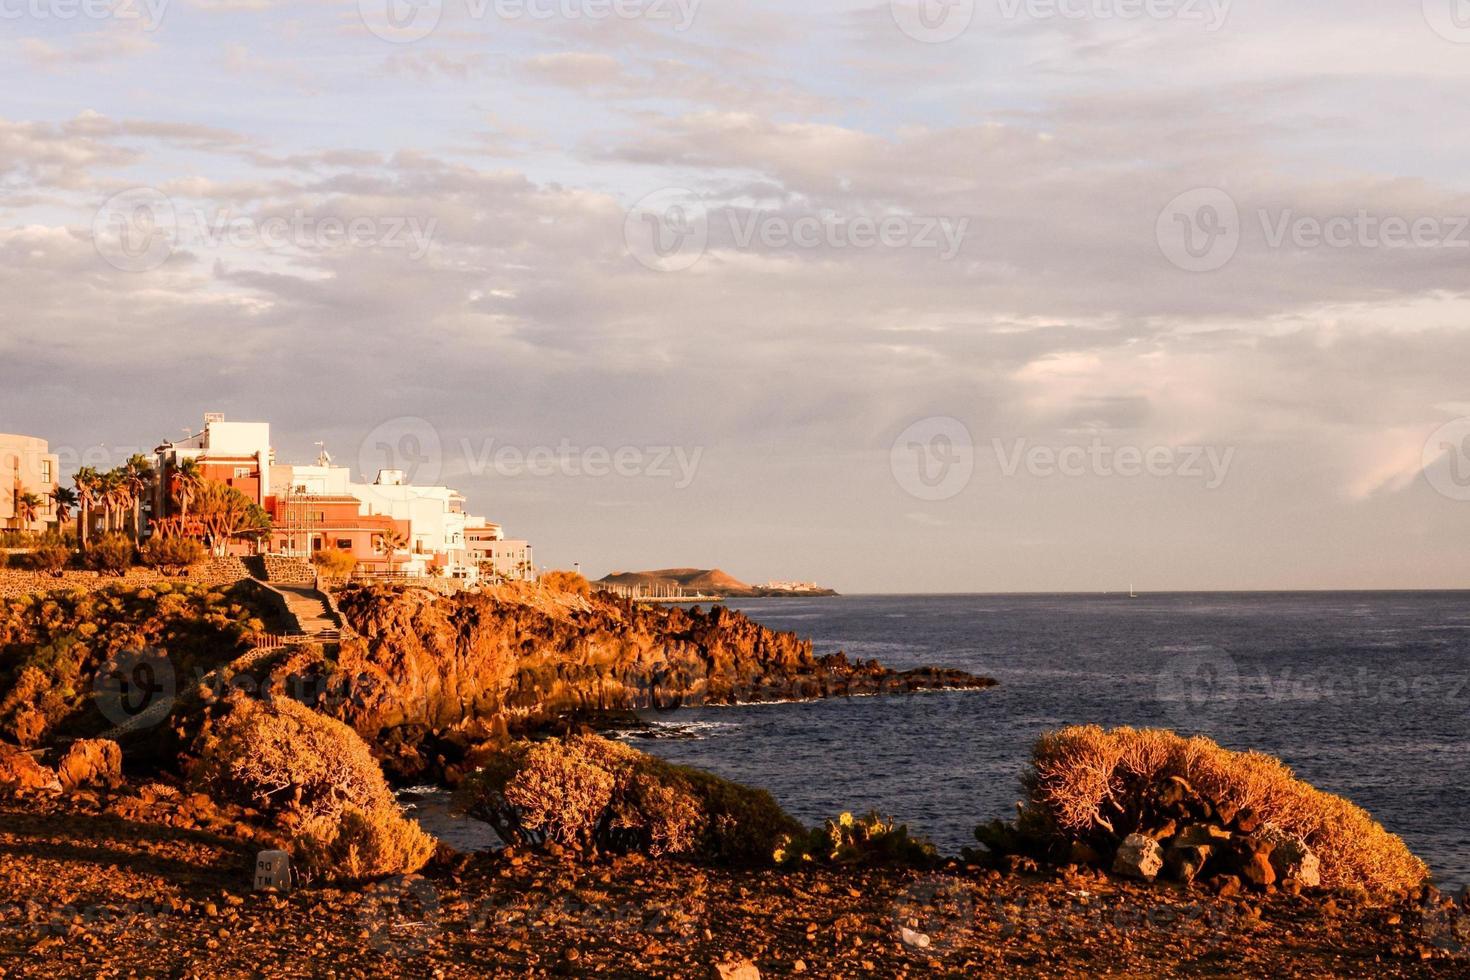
(275, 641)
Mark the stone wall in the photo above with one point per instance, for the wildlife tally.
(292, 571)
(16, 582)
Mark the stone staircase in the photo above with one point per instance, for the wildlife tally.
(314, 617)
(310, 619)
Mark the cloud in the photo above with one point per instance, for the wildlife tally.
(518, 149)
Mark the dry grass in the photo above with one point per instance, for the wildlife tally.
(1086, 782)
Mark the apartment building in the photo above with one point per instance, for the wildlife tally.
(27, 466)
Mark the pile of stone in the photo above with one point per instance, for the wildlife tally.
(1190, 840)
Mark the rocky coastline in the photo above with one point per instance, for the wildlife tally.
(131, 850)
(429, 678)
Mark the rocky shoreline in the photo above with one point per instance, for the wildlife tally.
(429, 679)
(1138, 853)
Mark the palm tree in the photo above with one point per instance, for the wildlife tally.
(389, 544)
(137, 477)
(88, 482)
(65, 498)
(113, 496)
(27, 507)
(187, 481)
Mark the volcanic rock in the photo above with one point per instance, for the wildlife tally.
(91, 762)
(421, 675)
(1139, 857)
(20, 771)
(1291, 858)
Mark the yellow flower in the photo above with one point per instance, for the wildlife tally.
(845, 820)
(780, 856)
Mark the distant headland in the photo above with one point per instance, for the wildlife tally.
(706, 582)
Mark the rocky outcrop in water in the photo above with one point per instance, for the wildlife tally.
(426, 677)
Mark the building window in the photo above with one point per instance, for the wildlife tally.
(344, 544)
(46, 472)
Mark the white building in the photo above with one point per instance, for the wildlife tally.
(237, 454)
(435, 515)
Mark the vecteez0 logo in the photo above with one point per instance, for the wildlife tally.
(135, 689)
(1199, 231)
(668, 230)
(135, 230)
(400, 21)
(409, 445)
(933, 459)
(1450, 19)
(933, 21)
(1446, 460)
(1198, 685)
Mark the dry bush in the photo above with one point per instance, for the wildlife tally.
(111, 554)
(280, 755)
(317, 778)
(171, 553)
(564, 581)
(334, 563)
(591, 792)
(50, 558)
(1089, 784)
(360, 844)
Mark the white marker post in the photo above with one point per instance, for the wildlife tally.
(273, 870)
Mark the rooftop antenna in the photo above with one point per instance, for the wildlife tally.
(323, 458)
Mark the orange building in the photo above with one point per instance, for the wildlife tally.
(304, 524)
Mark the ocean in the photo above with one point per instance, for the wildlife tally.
(1362, 694)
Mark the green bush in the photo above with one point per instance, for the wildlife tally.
(849, 840)
(54, 645)
(50, 558)
(111, 554)
(172, 553)
(588, 792)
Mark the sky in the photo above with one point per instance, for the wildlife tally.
(941, 295)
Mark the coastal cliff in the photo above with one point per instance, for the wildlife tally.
(426, 677)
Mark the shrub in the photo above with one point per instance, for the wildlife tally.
(361, 844)
(1090, 785)
(745, 825)
(564, 581)
(869, 840)
(53, 647)
(281, 755)
(317, 778)
(111, 554)
(168, 553)
(50, 558)
(588, 792)
(334, 563)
